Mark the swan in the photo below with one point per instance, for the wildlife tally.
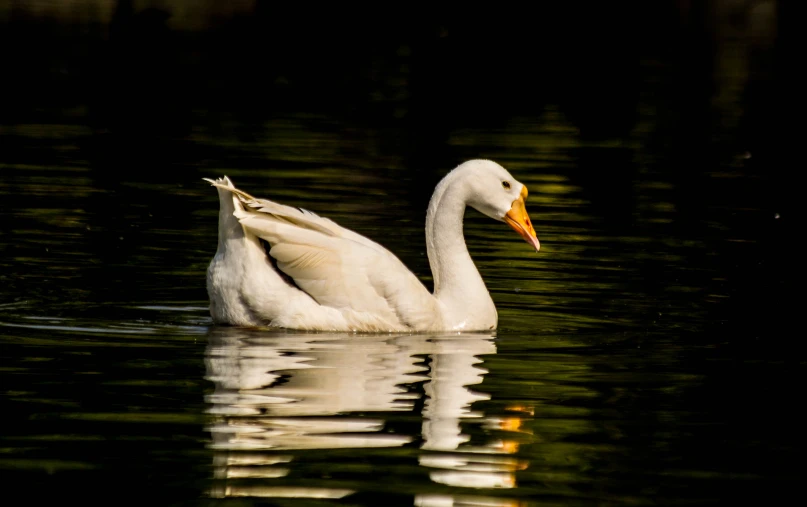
(281, 266)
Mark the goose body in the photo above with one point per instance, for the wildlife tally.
(281, 266)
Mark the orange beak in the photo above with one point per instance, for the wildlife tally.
(519, 220)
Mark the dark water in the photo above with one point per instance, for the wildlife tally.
(649, 354)
(637, 360)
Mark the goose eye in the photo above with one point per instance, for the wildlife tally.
(506, 185)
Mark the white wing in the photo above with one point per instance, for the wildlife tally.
(337, 267)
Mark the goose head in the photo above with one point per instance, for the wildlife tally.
(494, 192)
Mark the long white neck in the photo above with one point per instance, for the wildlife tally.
(457, 283)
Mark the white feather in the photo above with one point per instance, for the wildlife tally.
(322, 276)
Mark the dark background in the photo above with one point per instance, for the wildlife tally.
(704, 93)
(714, 80)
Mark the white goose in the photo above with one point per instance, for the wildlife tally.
(319, 276)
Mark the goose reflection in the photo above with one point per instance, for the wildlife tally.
(278, 393)
(453, 368)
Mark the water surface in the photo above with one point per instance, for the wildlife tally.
(634, 363)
